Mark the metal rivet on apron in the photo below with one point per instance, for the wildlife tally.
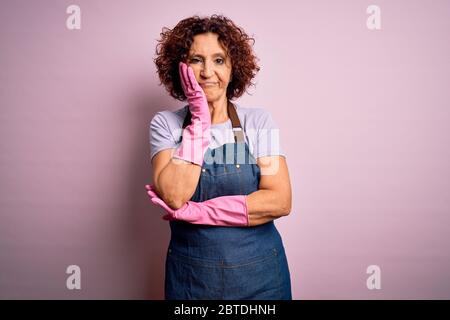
(203, 170)
(237, 166)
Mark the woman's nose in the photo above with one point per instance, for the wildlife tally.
(207, 70)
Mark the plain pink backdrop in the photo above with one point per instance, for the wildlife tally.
(364, 118)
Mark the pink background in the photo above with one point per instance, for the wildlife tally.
(364, 119)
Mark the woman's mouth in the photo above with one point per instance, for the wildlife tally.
(209, 84)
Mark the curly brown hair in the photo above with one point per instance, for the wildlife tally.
(175, 44)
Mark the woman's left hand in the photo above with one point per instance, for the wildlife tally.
(220, 211)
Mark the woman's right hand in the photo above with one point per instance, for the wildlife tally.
(198, 104)
(196, 136)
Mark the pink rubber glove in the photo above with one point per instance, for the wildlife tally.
(196, 136)
(220, 211)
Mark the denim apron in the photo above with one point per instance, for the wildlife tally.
(231, 263)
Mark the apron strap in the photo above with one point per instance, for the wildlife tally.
(237, 129)
(235, 122)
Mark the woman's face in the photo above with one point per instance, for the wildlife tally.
(211, 65)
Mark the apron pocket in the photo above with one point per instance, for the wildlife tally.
(191, 278)
(258, 279)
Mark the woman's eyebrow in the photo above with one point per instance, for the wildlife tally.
(214, 55)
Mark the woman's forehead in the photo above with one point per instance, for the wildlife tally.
(207, 48)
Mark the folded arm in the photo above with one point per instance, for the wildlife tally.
(274, 197)
(271, 201)
(175, 180)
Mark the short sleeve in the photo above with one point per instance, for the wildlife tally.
(267, 136)
(160, 135)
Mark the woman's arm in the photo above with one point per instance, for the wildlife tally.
(271, 201)
(274, 197)
(176, 171)
(175, 180)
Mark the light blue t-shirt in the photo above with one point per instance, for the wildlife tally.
(261, 131)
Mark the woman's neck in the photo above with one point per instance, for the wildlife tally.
(218, 111)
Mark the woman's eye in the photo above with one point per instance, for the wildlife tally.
(195, 60)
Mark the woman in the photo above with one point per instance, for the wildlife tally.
(218, 179)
